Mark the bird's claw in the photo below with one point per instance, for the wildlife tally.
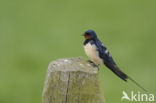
(93, 64)
(90, 62)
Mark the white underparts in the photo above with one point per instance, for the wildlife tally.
(92, 53)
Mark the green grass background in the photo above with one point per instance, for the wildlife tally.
(35, 32)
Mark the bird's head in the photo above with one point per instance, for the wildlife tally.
(90, 34)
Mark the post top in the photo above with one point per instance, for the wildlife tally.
(72, 64)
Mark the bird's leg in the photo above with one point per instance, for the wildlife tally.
(93, 64)
(90, 61)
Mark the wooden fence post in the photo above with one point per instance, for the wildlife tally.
(72, 80)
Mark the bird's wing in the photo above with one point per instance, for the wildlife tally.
(108, 60)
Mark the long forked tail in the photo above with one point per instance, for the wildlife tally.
(137, 84)
(123, 76)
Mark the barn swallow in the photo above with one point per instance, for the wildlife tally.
(99, 54)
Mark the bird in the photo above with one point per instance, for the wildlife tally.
(99, 54)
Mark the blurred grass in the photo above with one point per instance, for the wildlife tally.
(33, 33)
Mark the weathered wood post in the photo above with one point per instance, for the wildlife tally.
(72, 80)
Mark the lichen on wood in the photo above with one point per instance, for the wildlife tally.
(72, 80)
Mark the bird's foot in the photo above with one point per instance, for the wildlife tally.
(90, 61)
(93, 64)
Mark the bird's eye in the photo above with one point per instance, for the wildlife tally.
(86, 33)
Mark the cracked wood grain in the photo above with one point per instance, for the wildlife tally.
(72, 80)
(67, 87)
